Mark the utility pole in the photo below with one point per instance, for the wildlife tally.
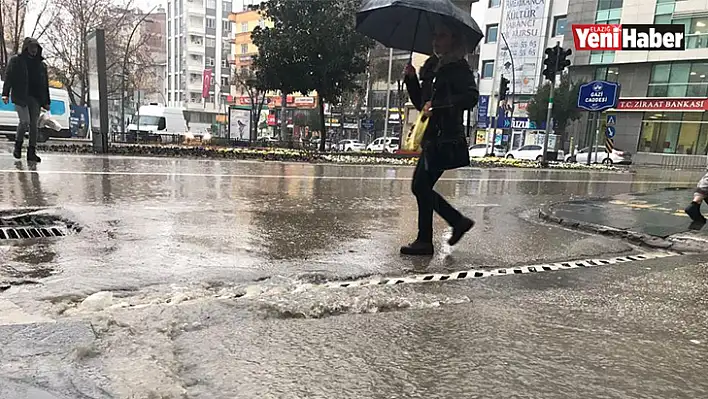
(551, 62)
(388, 93)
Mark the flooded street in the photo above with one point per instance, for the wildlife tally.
(211, 279)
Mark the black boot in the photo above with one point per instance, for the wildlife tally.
(694, 212)
(18, 151)
(418, 248)
(32, 155)
(460, 229)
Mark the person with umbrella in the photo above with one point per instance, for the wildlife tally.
(445, 89)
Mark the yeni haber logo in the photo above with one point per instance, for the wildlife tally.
(664, 37)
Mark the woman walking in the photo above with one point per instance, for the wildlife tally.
(446, 88)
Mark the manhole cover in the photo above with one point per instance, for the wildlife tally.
(28, 224)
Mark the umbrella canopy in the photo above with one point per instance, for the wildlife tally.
(410, 24)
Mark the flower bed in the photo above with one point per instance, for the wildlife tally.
(297, 155)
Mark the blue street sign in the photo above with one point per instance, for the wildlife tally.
(367, 124)
(598, 95)
(610, 132)
(611, 120)
(482, 110)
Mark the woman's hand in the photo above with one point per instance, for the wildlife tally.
(427, 109)
(409, 71)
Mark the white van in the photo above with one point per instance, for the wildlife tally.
(59, 109)
(157, 123)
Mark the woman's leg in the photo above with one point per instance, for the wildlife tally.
(422, 187)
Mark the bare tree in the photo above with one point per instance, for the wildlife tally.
(67, 51)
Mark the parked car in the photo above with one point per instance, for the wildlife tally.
(616, 157)
(350, 146)
(389, 144)
(480, 150)
(532, 152)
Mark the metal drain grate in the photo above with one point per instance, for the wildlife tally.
(28, 233)
(24, 226)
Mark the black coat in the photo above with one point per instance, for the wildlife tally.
(17, 78)
(452, 90)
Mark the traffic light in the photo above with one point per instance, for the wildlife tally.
(562, 61)
(503, 88)
(551, 62)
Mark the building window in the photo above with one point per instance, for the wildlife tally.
(197, 40)
(602, 57)
(494, 3)
(224, 81)
(261, 23)
(674, 133)
(559, 24)
(228, 7)
(679, 79)
(210, 42)
(696, 30)
(244, 27)
(226, 26)
(609, 4)
(211, 4)
(211, 23)
(491, 36)
(244, 49)
(610, 74)
(487, 69)
(209, 61)
(224, 62)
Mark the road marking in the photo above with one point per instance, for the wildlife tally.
(482, 273)
(652, 207)
(311, 177)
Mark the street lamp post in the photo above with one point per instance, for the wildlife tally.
(513, 88)
(125, 65)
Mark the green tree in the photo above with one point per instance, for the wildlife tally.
(311, 46)
(565, 104)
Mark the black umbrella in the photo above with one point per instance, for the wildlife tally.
(410, 24)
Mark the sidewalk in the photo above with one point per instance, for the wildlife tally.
(658, 214)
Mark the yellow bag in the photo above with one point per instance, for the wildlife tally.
(415, 135)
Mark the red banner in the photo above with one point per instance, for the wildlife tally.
(663, 104)
(271, 120)
(206, 82)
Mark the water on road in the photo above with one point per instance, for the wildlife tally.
(209, 275)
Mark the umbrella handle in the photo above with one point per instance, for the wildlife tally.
(415, 36)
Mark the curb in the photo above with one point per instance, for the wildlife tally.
(291, 155)
(546, 214)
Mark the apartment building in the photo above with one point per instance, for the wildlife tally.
(664, 94)
(198, 46)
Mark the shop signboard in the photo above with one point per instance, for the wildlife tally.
(523, 25)
(663, 104)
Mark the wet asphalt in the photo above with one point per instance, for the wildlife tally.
(210, 266)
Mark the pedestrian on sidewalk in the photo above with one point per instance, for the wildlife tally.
(445, 90)
(27, 81)
(694, 209)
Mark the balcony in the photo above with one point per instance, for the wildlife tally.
(195, 28)
(196, 7)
